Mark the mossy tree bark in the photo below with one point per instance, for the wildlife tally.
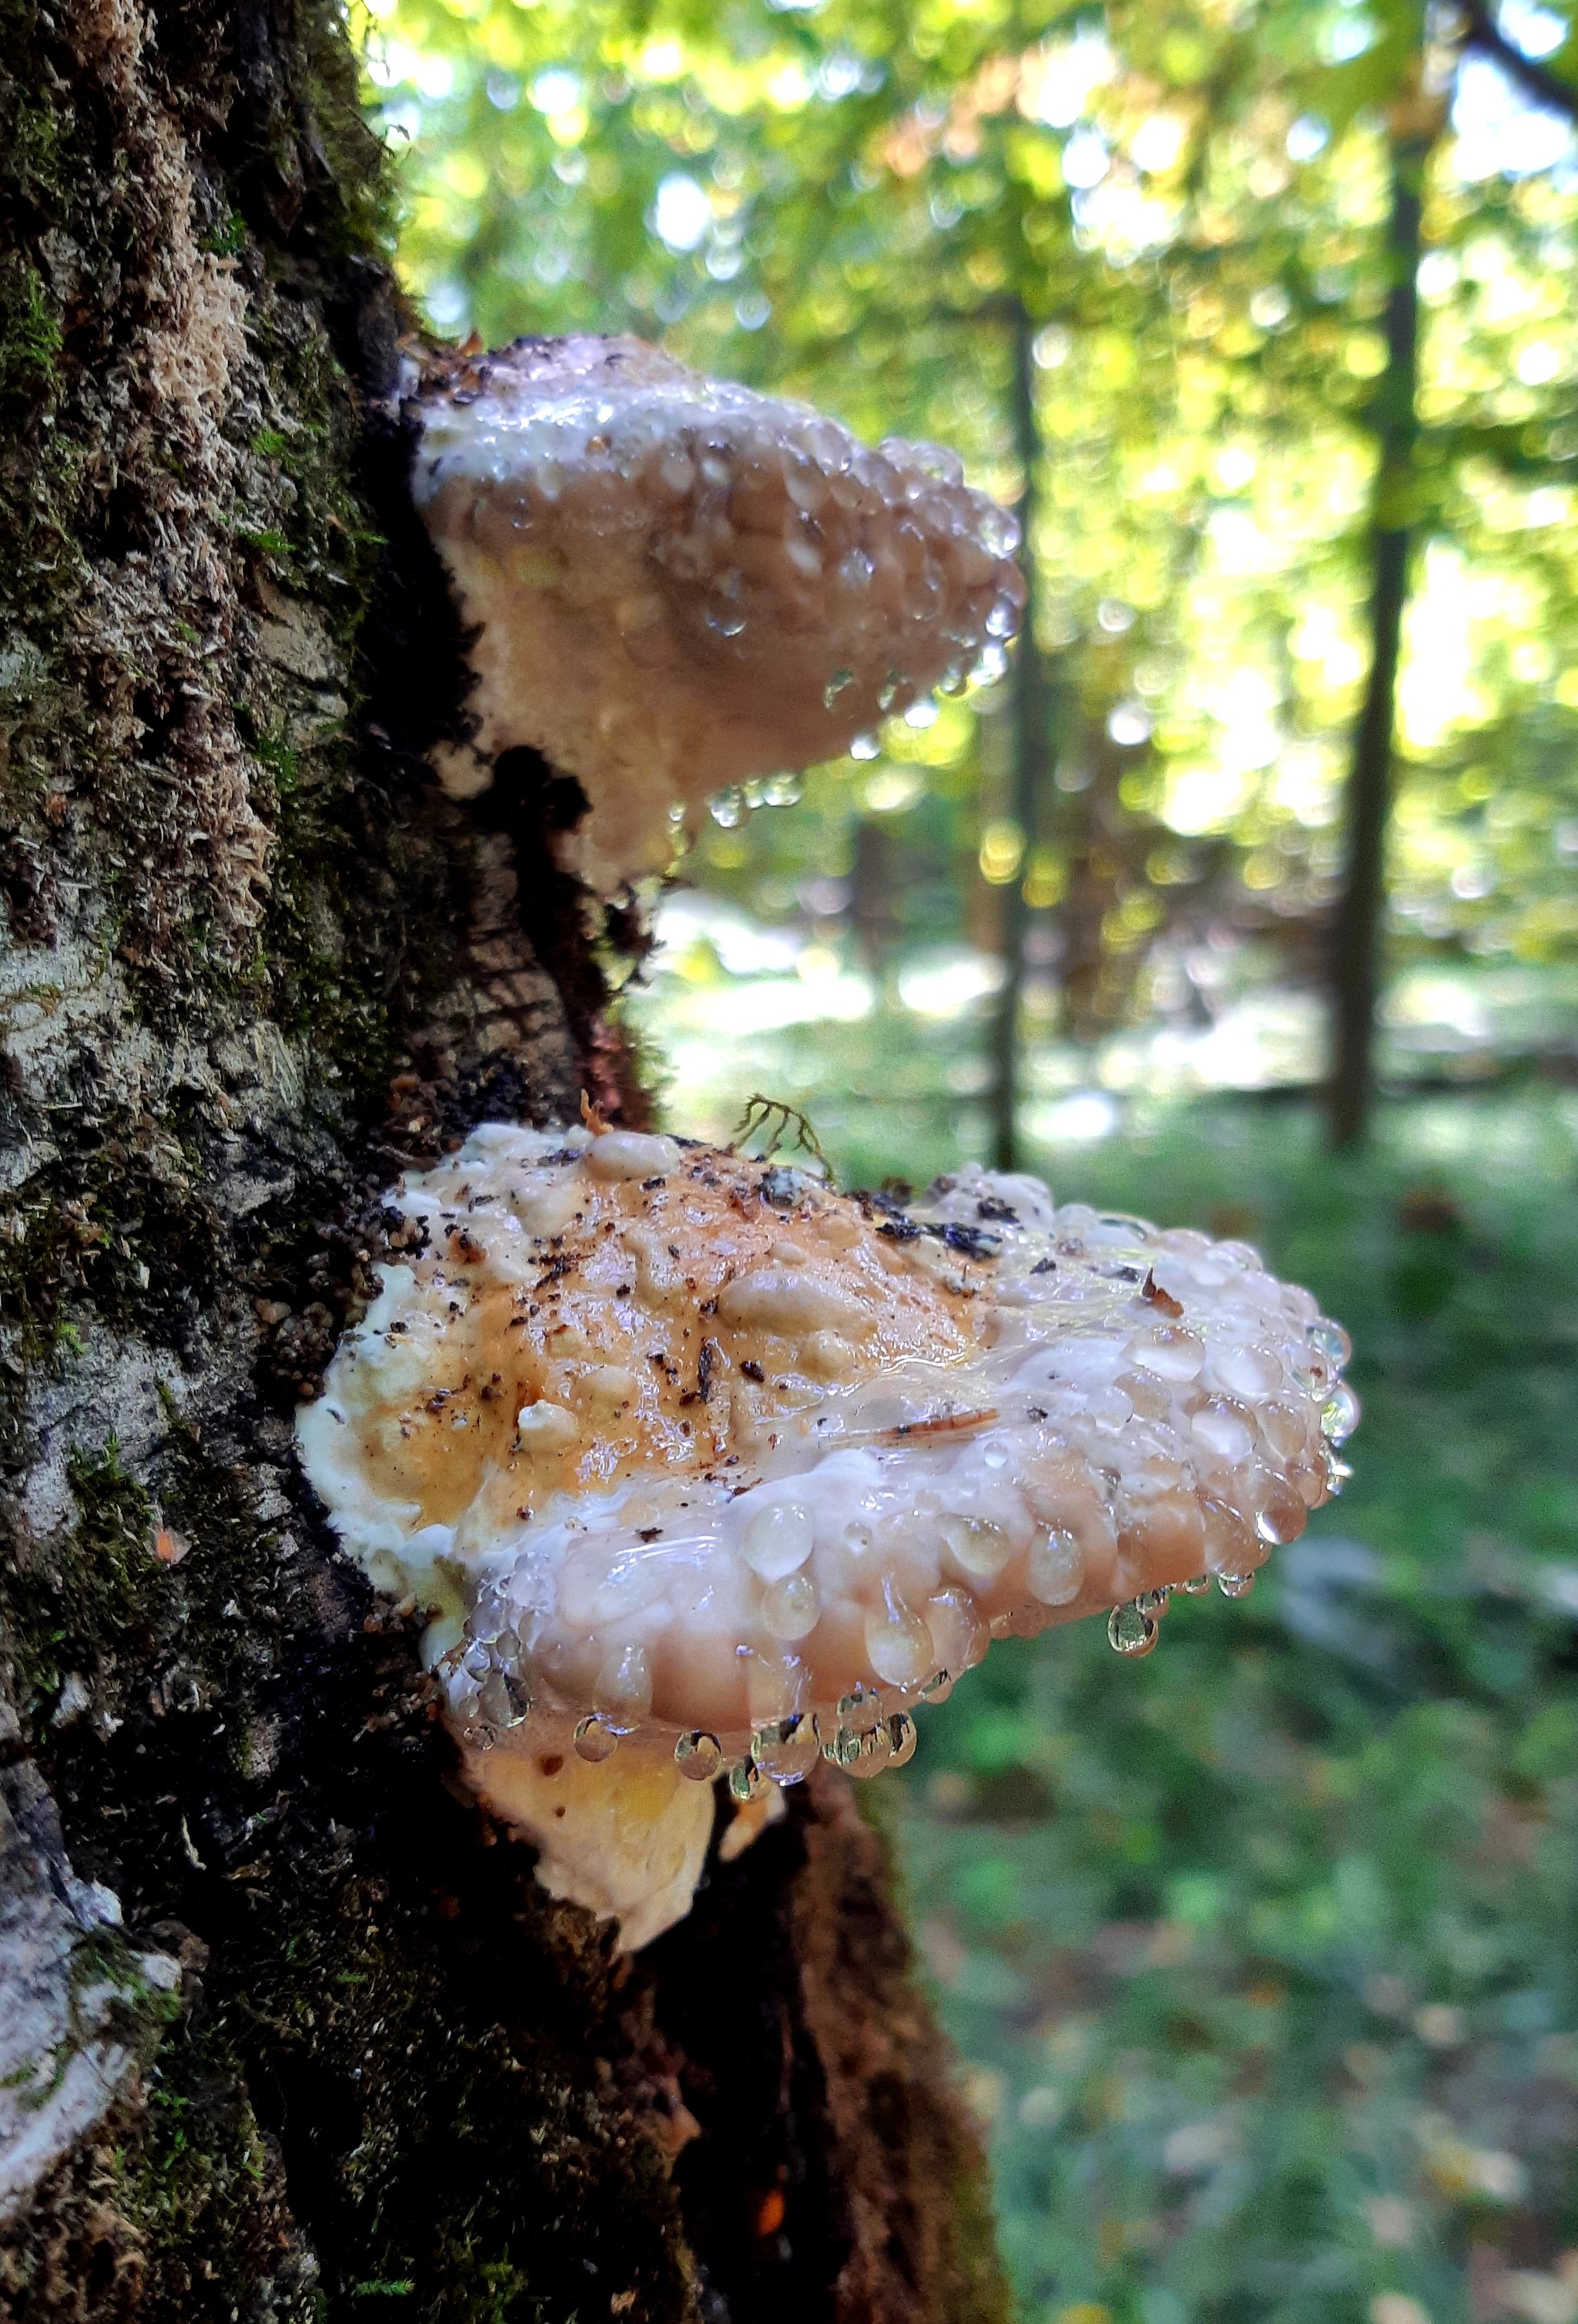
(285, 2029)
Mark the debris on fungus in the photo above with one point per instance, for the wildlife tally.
(679, 585)
(703, 1468)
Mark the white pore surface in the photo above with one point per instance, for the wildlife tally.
(682, 584)
(692, 1457)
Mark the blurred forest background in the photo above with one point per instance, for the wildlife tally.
(1244, 888)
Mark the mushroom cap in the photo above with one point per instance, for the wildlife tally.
(682, 584)
(684, 1445)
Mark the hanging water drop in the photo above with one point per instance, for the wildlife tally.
(902, 1738)
(1131, 1630)
(787, 1748)
(875, 1752)
(1236, 1585)
(1331, 1342)
(595, 1740)
(698, 1756)
(503, 1699)
(835, 685)
(744, 1781)
(1341, 1416)
(1197, 1585)
(727, 808)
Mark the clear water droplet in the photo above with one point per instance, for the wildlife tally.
(976, 1547)
(889, 693)
(864, 746)
(1055, 1568)
(1330, 1340)
(1341, 1416)
(504, 1699)
(787, 1749)
(1131, 1632)
(835, 685)
(1236, 1585)
(902, 1740)
(698, 1756)
(595, 1740)
(1197, 1585)
(938, 1687)
(727, 808)
(875, 1752)
(861, 1708)
(782, 790)
(744, 1781)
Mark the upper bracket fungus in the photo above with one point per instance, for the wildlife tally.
(703, 1468)
(681, 585)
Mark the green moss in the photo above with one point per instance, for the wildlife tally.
(29, 336)
(91, 1597)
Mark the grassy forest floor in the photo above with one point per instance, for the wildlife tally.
(1260, 1952)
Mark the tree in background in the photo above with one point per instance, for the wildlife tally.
(1188, 215)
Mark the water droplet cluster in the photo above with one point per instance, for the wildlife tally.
(689, 1449)
(686, 588)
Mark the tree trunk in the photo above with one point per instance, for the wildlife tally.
(286, 2028)
(1357, 929)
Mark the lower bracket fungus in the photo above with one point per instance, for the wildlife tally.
(703, 1468)
(679, 584)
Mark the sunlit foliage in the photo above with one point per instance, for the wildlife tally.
(853, 201)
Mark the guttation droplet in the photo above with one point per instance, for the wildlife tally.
(1236, 1585)
(595, 1740)
(503, 1701)
(787, 1748)
(1197, 1585)
(698, 1756)
(1131, 1629)
(835, 685)
(744, 1781)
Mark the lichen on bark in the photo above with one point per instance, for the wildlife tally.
(252, 962)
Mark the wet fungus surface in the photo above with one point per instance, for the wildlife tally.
(679, 584)
(703, 1468)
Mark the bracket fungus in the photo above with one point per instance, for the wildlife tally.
(677, 585)
(703, 1468)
